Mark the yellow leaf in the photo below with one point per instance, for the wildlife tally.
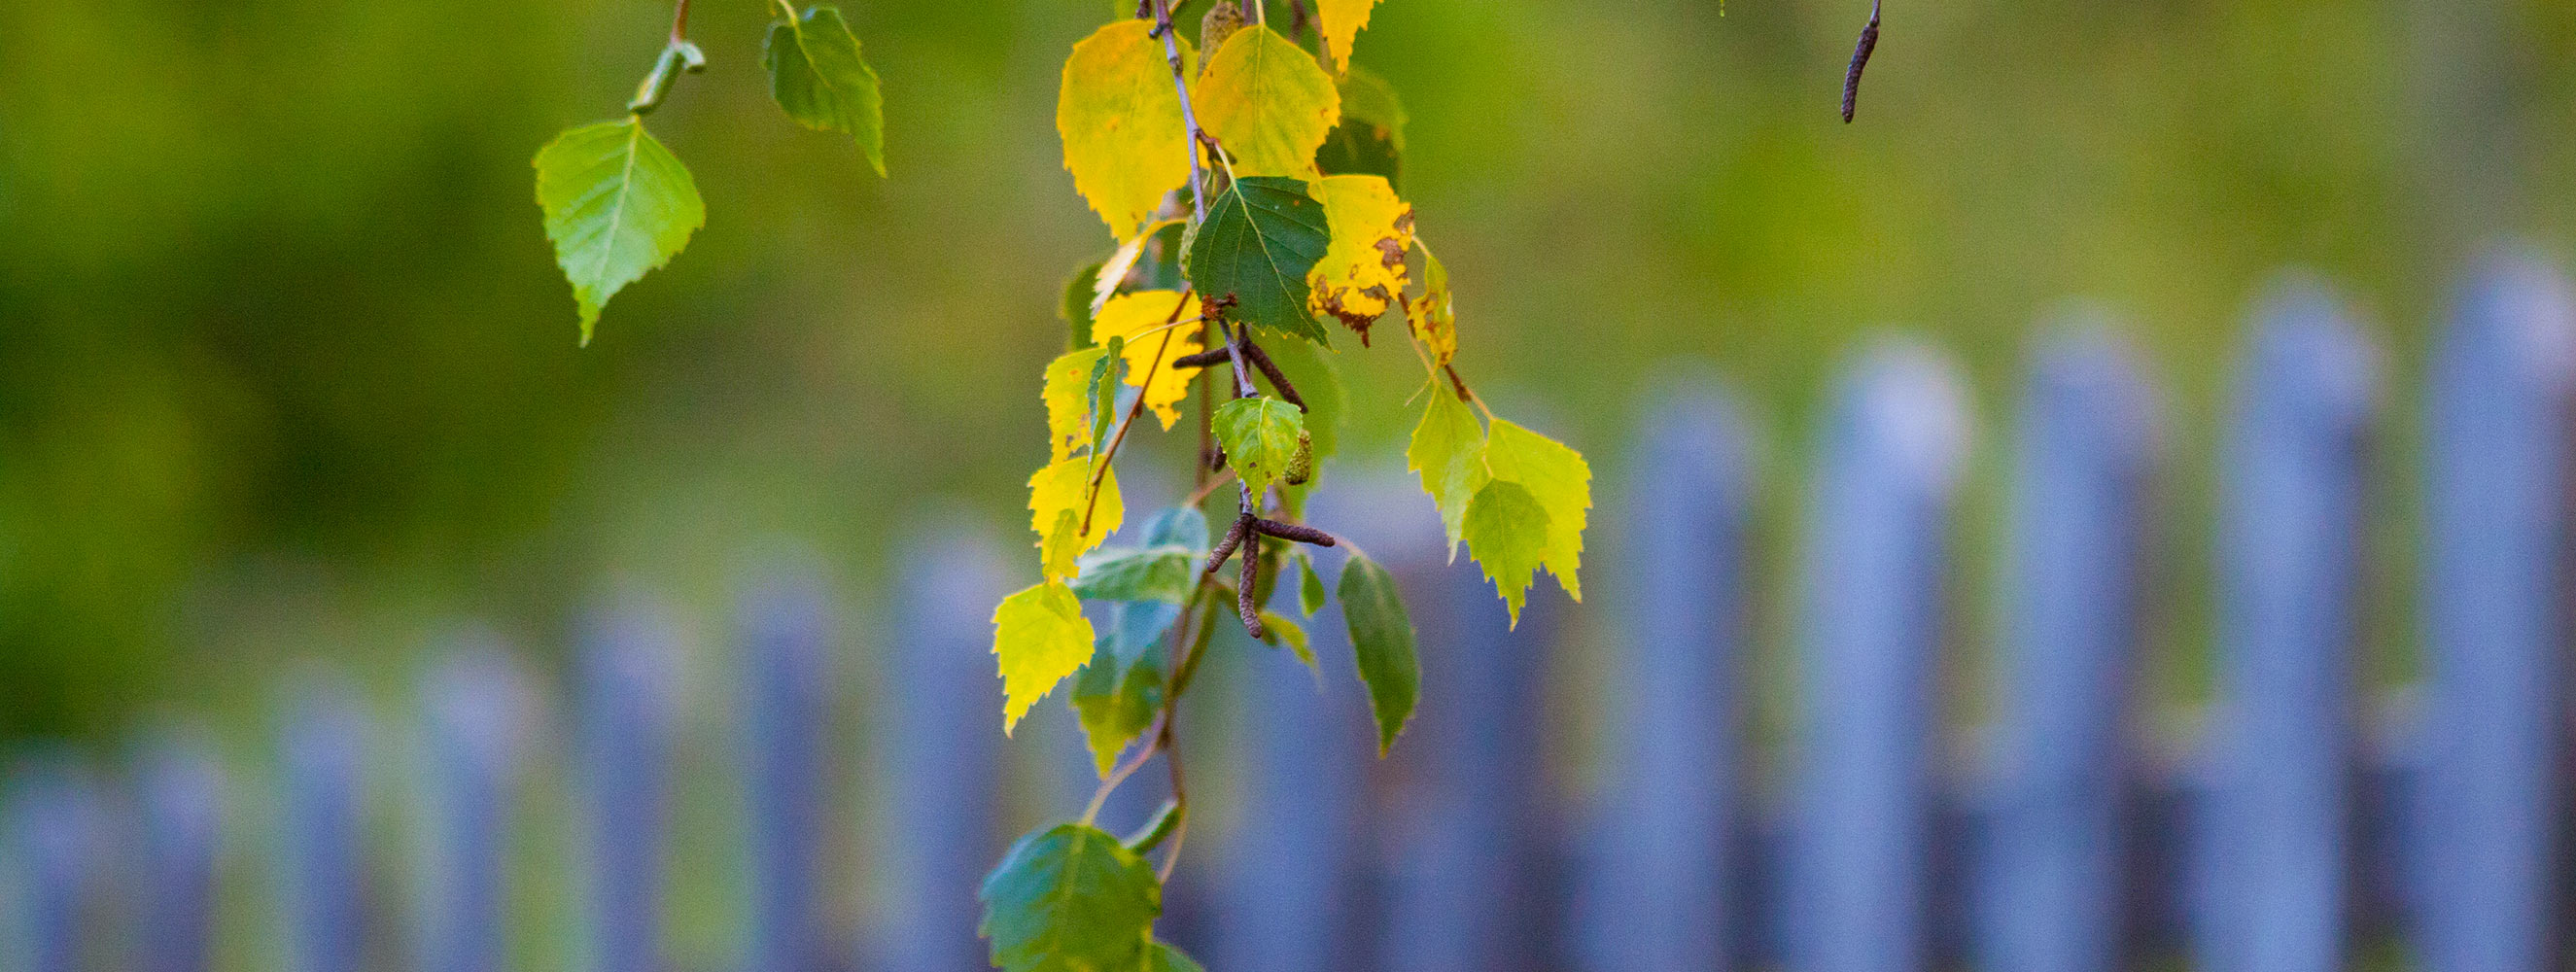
(1121, 121)
(1152, 346)
(1040, 636)
(1268, 103)
(1362, 271)
(1068, 402)
(1431, 315)
(1341, 21)
(1114, 272)
(1559, 479)
(1062, 489)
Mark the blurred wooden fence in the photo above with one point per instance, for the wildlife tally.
(2302, 819)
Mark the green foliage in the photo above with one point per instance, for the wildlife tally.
(1070, 899)
(817, 75)
(1382, 644)
(1262, 438)
(1310, 586)
(1164, 958)
(1260, 238)
(617, 204)
(1506, 529)
(1448, 452)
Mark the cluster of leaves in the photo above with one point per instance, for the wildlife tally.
(1250, 186)
(618, 204)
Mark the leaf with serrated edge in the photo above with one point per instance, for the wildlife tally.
(1039, 637)
(1070, 898)
(1164, 958)
(1067, 398)
(1448, 453)
(817, 75)
(1115, 702)
(1284, 633)
(1506, 531)
(1362, 272)
(1107, 371)
(1261, 237)
(1381, 644)
(1319, 382)
(1260, 438)
(1433, 314)
(1120, 119)
(1062, 488)
(1147, 320)
(1267, 102)
(1560, 480)
(1340, 21)
(1127, 574)
(617, 204)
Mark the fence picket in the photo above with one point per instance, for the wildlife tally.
(2276, 835)
(1292, 888)
(2496, 583)
(783, 624)
(943, 753)
(1656, 892)
(627, 723)
(55, 846)
(1476, 859)
(1859, 885)
(2050, 886)
(476, 706)
(322, 879)
(180, 793)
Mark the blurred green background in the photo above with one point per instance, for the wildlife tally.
(286, 369)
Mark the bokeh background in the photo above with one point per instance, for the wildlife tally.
(287, 372)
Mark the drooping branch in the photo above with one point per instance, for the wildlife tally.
(1260, 359)
(1189, 115)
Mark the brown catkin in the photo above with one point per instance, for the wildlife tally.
(1222, 20)
(1859, 63)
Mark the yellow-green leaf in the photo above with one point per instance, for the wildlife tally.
(1068, 401)
(1341, 21)
(1120, 118)
(1448, 453)
(1262, 437)
(1506, 531)
(617, 204)
(1283, 633)
(1039, 636)
(1431, 314)
(817, 75)
(1560, 480)
(1147, 320)
(1058, 499)
(1362, 272)
(1268, 103)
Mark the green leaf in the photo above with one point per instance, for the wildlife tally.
(1261, 237)
(1075, 308)
(1280, 632)
(1448, 452)
(1164, 573)
(1179, 526)
(1507, 533)
(1069, 899)
(1157, 828)
(1040, 636)
(1164, 958)
(1261, 437)
(1106, 375)
(1370, 138)
(1560, 480)
(1310, 586)
(617, 204)
(1319, 382)
(816, 73)
(1382, 644)
(1115, 700)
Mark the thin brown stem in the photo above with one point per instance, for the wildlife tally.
(680, 22)
(1109, 453)
(1189, 115)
